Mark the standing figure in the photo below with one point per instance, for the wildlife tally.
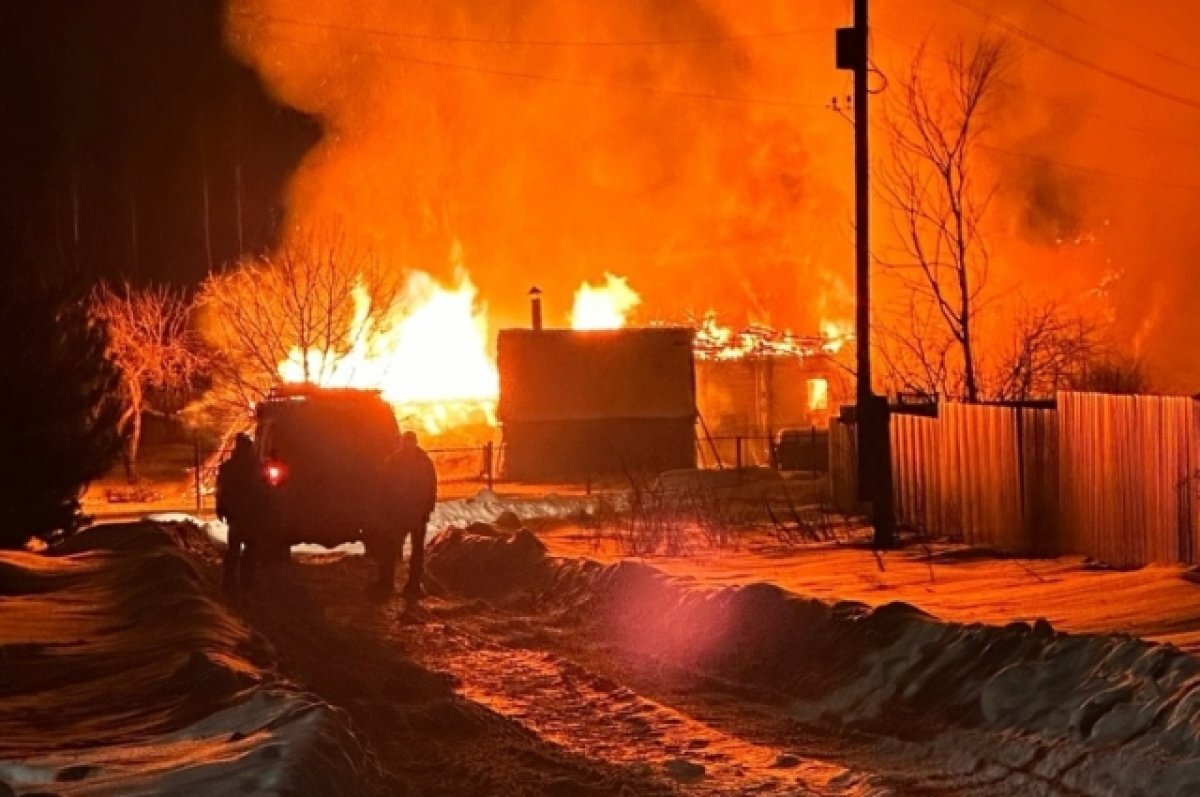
(242, 504)
(411, 489)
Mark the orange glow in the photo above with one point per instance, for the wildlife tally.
(818, 394)
(430, 358)
(604, 307)
(717, 342)
(835, 336)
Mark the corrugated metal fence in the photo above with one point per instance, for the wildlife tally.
(975, 473)
(1106, 476)
(1127, 486)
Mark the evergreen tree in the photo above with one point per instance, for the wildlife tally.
(59, 406)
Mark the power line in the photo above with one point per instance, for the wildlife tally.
(1120, 77)
(1091, 170)
(1118, 35)
(440, 37)
(1074, 107)
(1077, 167)
(566, 81)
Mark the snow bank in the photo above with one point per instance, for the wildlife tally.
(484, 507)
(487, 507)
(1034, 709)
(121, 673)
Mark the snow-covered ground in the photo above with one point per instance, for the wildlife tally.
(816, 669)
(483, 507)
(1160, 603)
(1022, 707)
(122, 673)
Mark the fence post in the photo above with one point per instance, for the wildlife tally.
(196, 463)
(487, 463)
(737, 443)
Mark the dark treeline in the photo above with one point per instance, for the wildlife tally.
(132, 143)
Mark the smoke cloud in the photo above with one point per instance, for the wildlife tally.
(686, 145)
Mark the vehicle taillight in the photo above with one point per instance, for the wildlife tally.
(274, 473)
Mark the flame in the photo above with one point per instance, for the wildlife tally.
(605, 307)
(716, 342)
(430, 358)
(835, 335)
(818, 394)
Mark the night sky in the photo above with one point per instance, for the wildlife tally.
(119, 116)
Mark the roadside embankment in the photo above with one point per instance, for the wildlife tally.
(1031, 708)
(122, 673)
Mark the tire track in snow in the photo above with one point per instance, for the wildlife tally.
(567, 702)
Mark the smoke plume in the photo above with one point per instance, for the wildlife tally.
(688, 146)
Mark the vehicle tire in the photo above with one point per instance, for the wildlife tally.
(278, 552)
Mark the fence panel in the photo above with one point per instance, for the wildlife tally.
(1038, 434)
(988, 438)
(1126, 477)
(917, 472)
(984, 474)
(843, 465)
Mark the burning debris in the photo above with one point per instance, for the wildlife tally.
(716, 342)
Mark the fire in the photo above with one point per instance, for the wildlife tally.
(835, 336)
(818, 394)
(430, 358)
(717, 342)
(430, 355)
(605, 307)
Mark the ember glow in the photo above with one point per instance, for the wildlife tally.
(430, 357)
(835, 336)
(818, 394)
(717, 342)
(604, 307)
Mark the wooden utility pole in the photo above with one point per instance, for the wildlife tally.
(874, 449)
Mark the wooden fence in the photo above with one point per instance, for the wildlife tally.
(1111, 477)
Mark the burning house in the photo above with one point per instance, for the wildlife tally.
(757, 383)
(574, 403)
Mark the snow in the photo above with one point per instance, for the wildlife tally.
(1159, 603)
(122, 673)
(484, 507)
(1034, 709)
(1018, 676)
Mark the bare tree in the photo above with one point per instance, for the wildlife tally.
(1050, 349)
(1114, 373)
(916, 352)
(309, 304)
(150, 341)
(938, 201)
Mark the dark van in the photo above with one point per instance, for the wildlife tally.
(322, 450)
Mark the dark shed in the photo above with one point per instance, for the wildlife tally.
(574, 404)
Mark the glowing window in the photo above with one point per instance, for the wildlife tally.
(818, 394)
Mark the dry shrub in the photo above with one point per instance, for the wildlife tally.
(704, 511)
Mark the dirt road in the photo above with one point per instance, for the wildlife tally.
(463, 697)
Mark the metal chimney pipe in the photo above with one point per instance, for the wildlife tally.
(535, 307)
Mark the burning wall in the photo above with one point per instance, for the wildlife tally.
(758, 396)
